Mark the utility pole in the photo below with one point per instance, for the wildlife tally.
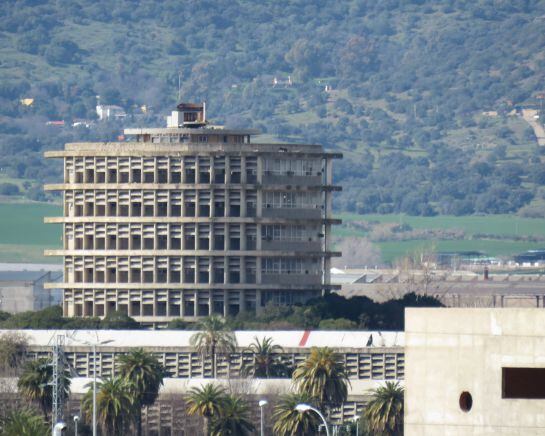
(58, 380)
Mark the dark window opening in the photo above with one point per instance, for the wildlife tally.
(219, 176)
(176, 177)
(162, 176)
(204, 210)
(189, 175)
(189, 209)
(124, 177)
(465, 401)
(148, 177)
(219, 209)
(234, 210)
(136, 176)
(526, 383)
(235, 177)
(189, 242)
(204, 177)
(175, 210)
(175, 243)
(204, 244)
(219, 242)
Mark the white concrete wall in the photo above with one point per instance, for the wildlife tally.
(449, 351)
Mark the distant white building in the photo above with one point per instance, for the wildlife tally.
(108, 112)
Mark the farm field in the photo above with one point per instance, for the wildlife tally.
(495, 235)
(24, 236)
(500, 225)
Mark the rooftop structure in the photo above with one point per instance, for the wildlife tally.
(193, 220)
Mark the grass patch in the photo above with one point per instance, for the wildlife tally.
(501, 225)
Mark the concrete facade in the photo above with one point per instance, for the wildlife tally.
(22, 291)
(193, 220)
(456, 361)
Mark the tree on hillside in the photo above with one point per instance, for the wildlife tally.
(145, 375)
(214, 337)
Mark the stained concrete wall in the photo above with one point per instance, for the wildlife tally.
(449, 351)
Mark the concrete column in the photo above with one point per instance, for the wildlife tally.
(243, 170)
(258, 299)
(225, 302)
(242, 301)
(243, 202)
(210, 302)
(182, 308)
(195, 303)
(259, 169)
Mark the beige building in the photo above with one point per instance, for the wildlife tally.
(475, 372)
(192, 220)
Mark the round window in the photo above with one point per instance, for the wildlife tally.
(466, 401)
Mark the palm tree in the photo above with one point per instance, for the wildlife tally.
(265, 362)
(214, 337)
(384, 413)
(36, 384)
(234, 418)
(24, 422)
(115, 405)
(323, 377)
(145, 376)
(206, 401)
(290, 422)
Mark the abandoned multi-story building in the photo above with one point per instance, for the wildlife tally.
(192, 220)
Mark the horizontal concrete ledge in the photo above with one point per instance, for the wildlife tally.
(185, 186)
(188, 219)
(189, 286)
(204, 253)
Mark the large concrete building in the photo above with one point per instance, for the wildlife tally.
(192, 220)
(475, 372)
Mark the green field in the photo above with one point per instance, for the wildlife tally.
(24, 236)
(502, 231)
(500, 225)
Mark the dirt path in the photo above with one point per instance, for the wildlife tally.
(539, 131)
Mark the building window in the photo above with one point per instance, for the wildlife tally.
(527, 383)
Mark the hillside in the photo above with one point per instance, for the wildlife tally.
(420, 96)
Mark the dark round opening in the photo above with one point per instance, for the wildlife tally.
(466, 401)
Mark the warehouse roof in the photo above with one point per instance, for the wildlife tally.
(180, 338)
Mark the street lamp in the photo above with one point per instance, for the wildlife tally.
(302, 408)
(76, 420)
(94, 346)
(356, 419)
(262, 404)
(58, 428)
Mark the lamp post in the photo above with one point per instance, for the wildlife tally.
(262, 404)
(357, 421)
(302, 407)
(76, 420)
(94, 347)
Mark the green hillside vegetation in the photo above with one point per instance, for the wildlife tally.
(408, 83)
